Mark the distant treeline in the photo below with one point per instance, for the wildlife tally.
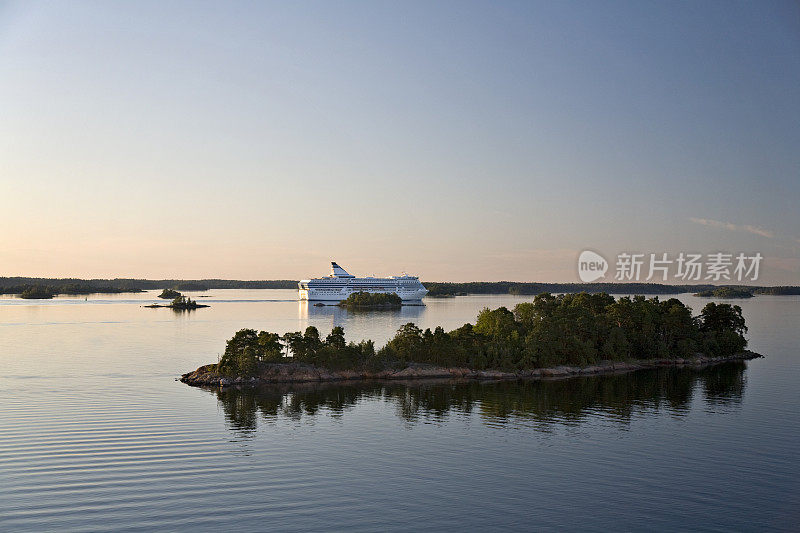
(17, 285)
(53, 286)
(513, 287)
(39, 291)
(779, 291)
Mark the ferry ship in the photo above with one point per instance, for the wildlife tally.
(339, 285)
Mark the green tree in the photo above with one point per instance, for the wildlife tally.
(568, 329)
(336, 338)
(269, 347)
(240, 356)
(723, 328)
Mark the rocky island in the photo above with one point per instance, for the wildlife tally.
(169, 294)
(180, 303)
(553, 336)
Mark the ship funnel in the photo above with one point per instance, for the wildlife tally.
(338, 272)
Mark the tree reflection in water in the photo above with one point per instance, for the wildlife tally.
(564, 401)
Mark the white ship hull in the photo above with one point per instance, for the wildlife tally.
(333, 295)
(339, 285)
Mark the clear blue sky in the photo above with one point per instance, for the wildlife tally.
(455, 140)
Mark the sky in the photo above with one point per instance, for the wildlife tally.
(456, 141)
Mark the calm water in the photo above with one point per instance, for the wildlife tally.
(95, 434)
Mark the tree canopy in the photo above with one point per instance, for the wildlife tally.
(570, 329)
(726, 292)
(363, 299)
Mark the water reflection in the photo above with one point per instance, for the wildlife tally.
(340, 316)
(544, 403)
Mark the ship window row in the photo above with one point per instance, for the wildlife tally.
(362, 283)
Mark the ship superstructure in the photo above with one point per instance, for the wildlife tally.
(339, 285)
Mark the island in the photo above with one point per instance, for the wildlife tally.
(371, 300)
(169, 294)
(445, 289)
(778, 291)
(41, 291)
(725, 292)
(180, 303)
(37, 292)
(552, 336)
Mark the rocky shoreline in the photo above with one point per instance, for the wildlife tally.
(301, 373)
(174, 306)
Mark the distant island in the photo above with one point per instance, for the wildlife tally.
(446, 289)
(726, 292)
(372, 300)
(42, 291)
(181, 303)
(169, 294)
(550, 336)
(783, 290)
(55, 286)
(37, 292)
